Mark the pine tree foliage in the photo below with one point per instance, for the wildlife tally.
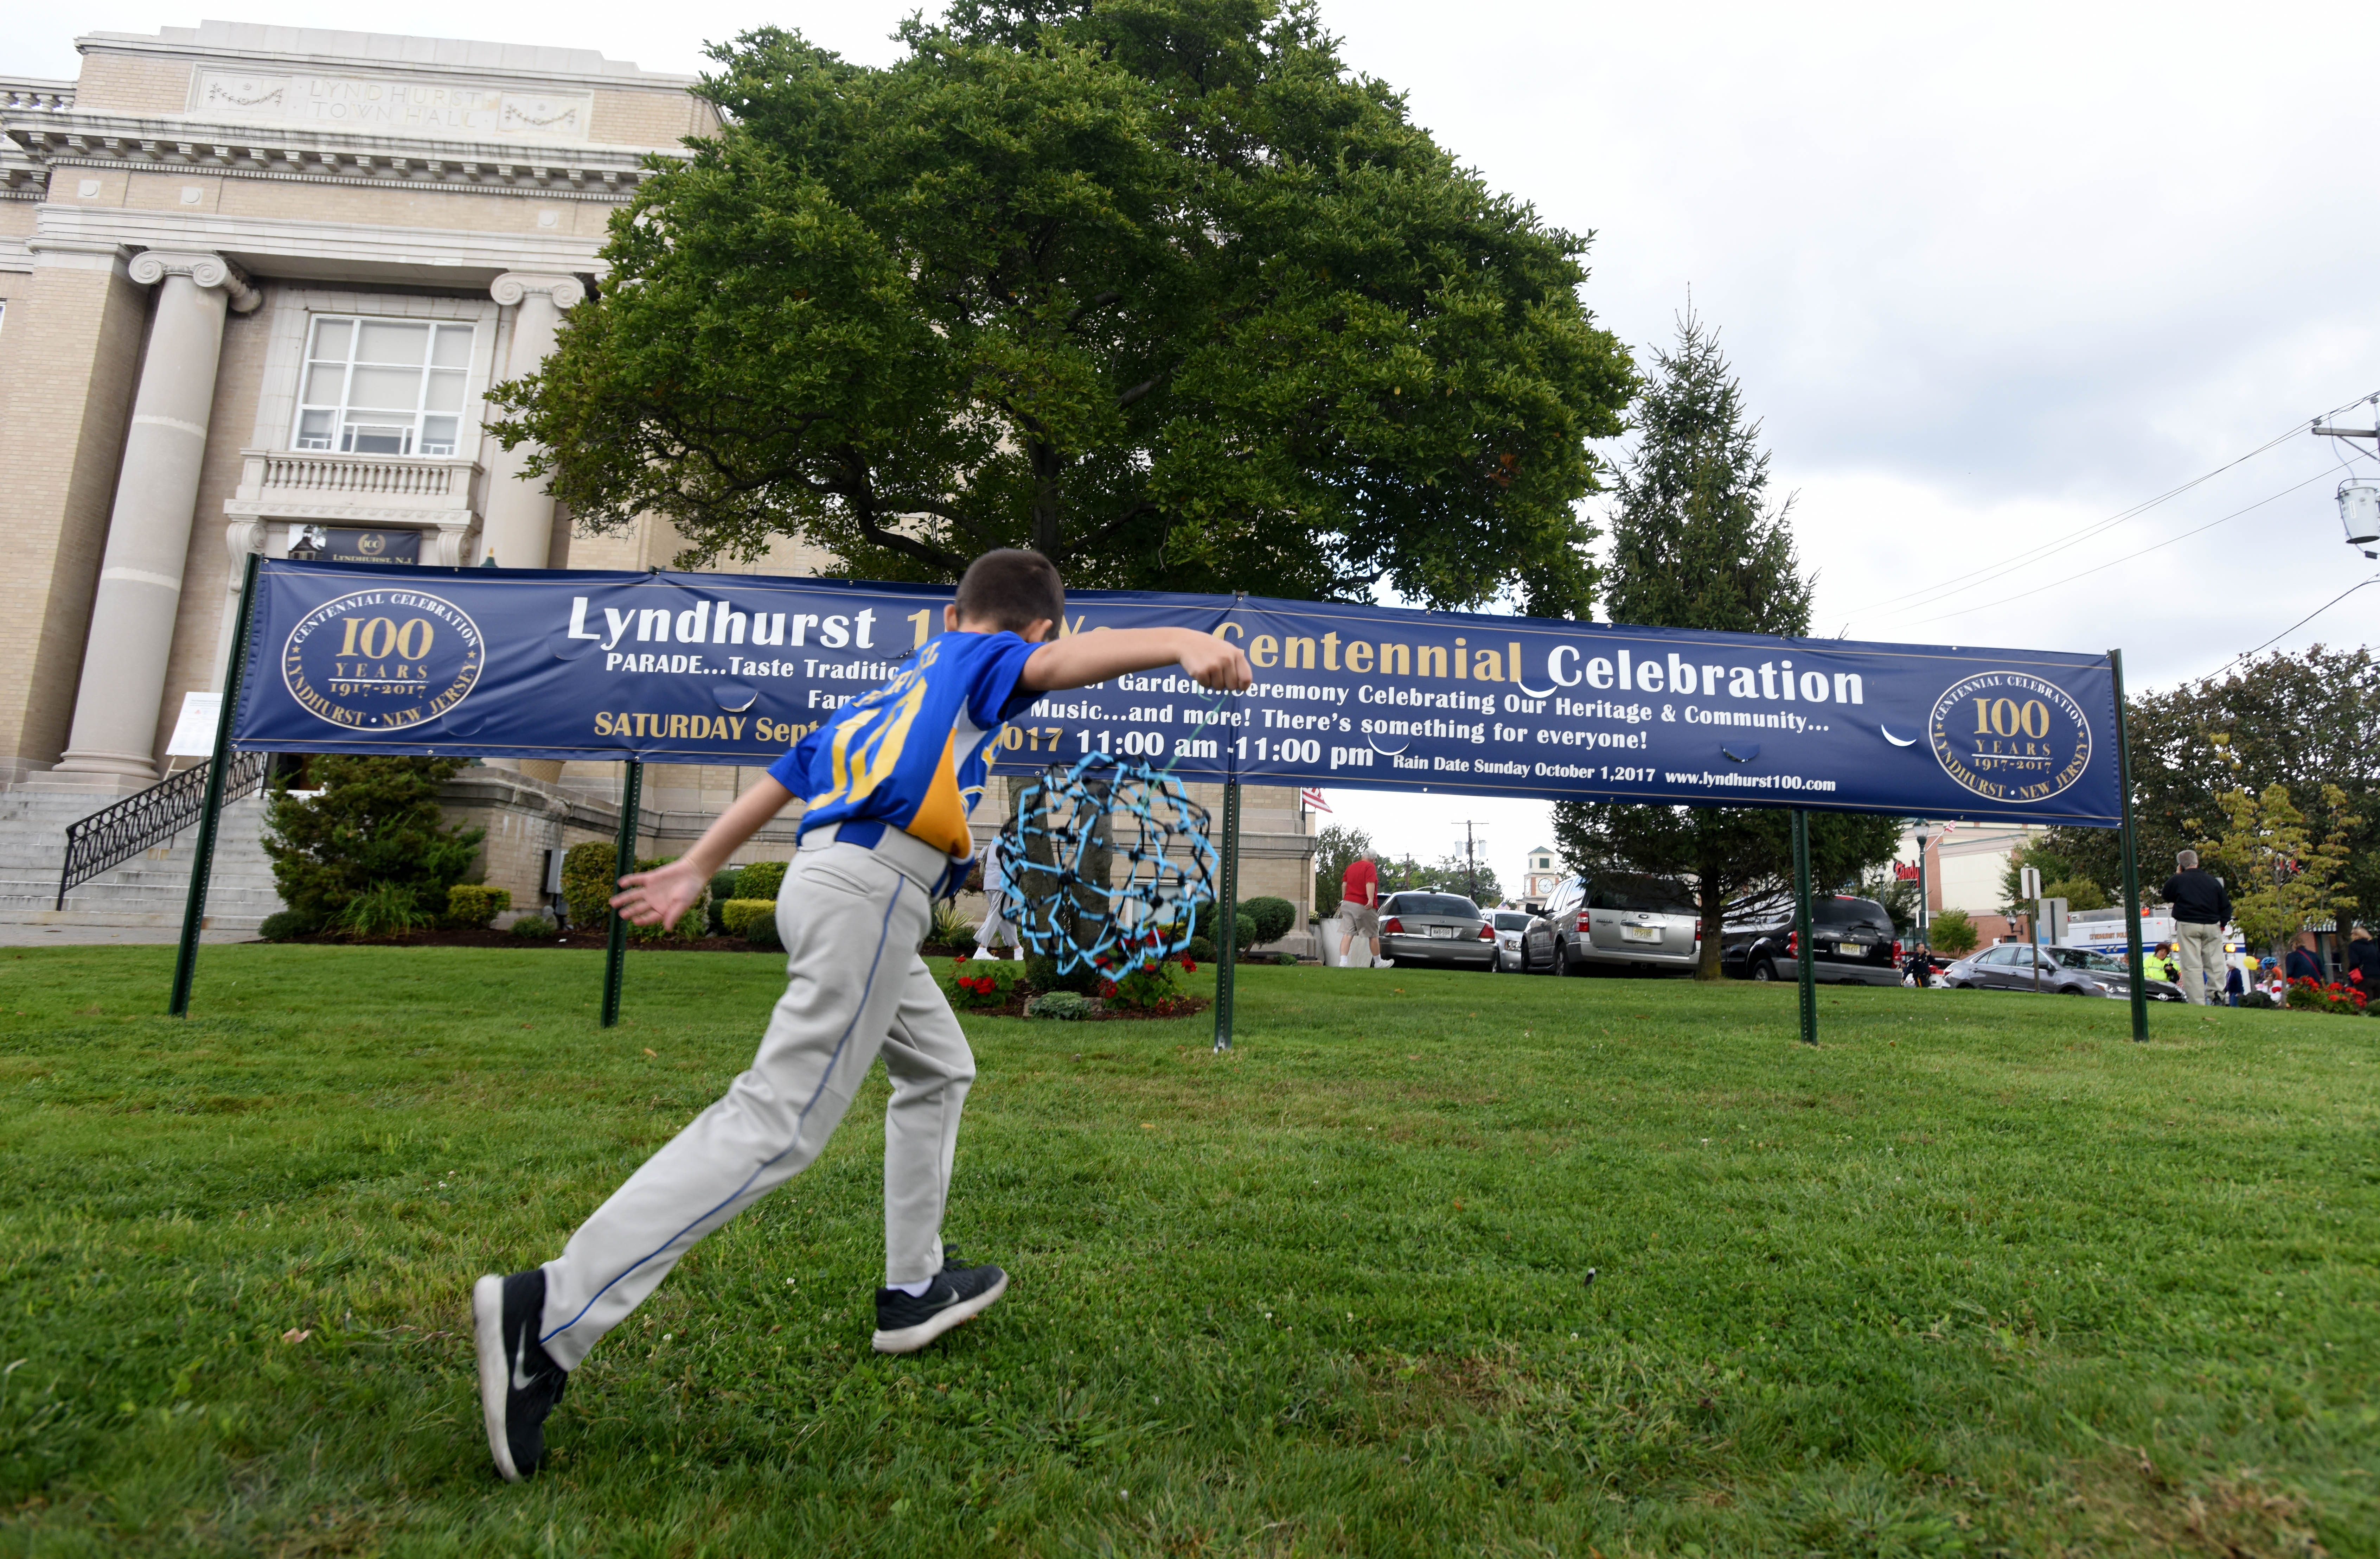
(1695, 545)
(375, 826)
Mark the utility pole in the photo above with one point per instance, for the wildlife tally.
(1470, 859)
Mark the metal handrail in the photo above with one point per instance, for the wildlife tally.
(114, 835)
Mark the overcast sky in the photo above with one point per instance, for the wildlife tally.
(1990, 276)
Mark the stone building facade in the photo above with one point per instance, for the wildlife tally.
(255, 285)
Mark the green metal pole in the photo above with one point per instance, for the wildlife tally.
(1806, 955)
(1227, 950)
(2135, 962)
(202, 860)
(615, 946)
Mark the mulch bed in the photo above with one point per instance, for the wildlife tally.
(583, 940)
(1191, 1007)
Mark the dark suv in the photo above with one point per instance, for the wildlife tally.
(1851, 943)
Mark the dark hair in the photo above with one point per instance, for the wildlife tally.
(1012, 588)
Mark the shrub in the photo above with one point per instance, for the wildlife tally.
(1286, 960)
(1264, 920)
(1042, 975)
(2315, 995)
(1953, 933)
(589, 880)
(1202, 950)
(1067, 1006)
(1157, 987)
(762, 879)
(529, 928)
(723, 888)
(376, 824)
(977, 983)
(952, 929)
(473, 906)
(383, 909)
(754, 919)
(283, 925)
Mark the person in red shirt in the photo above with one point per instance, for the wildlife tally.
(1359, 906)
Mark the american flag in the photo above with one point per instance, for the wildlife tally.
(1312, 800)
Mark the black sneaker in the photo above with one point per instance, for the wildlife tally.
(520, 1383)
(905, 1322)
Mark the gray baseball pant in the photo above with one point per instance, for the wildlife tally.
(852, 919)
(2198, 950)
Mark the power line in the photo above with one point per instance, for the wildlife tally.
(2301, 622)
(1929, 594)
(2127, 557)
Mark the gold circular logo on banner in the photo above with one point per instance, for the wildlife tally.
(2011, 735)
(382, 660)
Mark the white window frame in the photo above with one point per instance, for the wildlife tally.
(465, 374)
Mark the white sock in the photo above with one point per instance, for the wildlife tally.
(915, 1290)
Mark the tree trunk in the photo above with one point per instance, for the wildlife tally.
(1713, 900)
(1045, 501)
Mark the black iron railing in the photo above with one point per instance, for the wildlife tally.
(114, 835)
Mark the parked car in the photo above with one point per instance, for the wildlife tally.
(1622, 924)
(2064, 972)
(1851, 943)
(1524, 942)
(1435, 928)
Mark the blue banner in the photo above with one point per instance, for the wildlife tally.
(718, 668)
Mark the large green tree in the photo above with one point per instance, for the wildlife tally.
(2303, 721)
(1698, 543)
(1158, 288)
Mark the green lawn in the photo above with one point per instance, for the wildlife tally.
(1976, 1276)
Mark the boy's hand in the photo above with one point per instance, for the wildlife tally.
(1217, 664)
(660, 896)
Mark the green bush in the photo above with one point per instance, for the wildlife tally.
(283, 925)
(1286, 960)
(952, 929)
(978, 983)
(376, 825)
(1068, 1006)
(754, 919)
(1202, 950)
(383, 909)
(473, 906)
(691, 926)
(589, 880)
(723, 888)
(1042, 975)
(1264, 920)
(762, 879)
(530, 927)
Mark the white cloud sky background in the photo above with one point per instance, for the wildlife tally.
(1988, 276)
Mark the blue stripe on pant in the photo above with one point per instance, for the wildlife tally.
(852, 922)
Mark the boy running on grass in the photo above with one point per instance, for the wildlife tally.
(887, 782)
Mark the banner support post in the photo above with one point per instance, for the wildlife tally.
(203, 857)
(1804, 959)
(624, 860)
(2134, 961)
(1226, 949)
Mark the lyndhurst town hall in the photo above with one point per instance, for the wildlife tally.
(255, 283)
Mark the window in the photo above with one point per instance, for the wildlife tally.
(384, 387)
(1448, 906)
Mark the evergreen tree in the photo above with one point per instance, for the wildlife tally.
(1695, 545)
(376, 823)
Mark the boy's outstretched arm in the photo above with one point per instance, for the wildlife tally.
(1081, 659)
(661, 896)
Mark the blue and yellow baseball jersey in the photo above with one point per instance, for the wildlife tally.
(910, 755)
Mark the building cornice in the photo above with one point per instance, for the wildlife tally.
(457, 257)
(576, 171)
(619, 76)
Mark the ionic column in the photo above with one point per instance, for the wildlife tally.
(149, 531)
(519, 522)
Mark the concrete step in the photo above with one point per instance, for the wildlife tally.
(150, 891)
